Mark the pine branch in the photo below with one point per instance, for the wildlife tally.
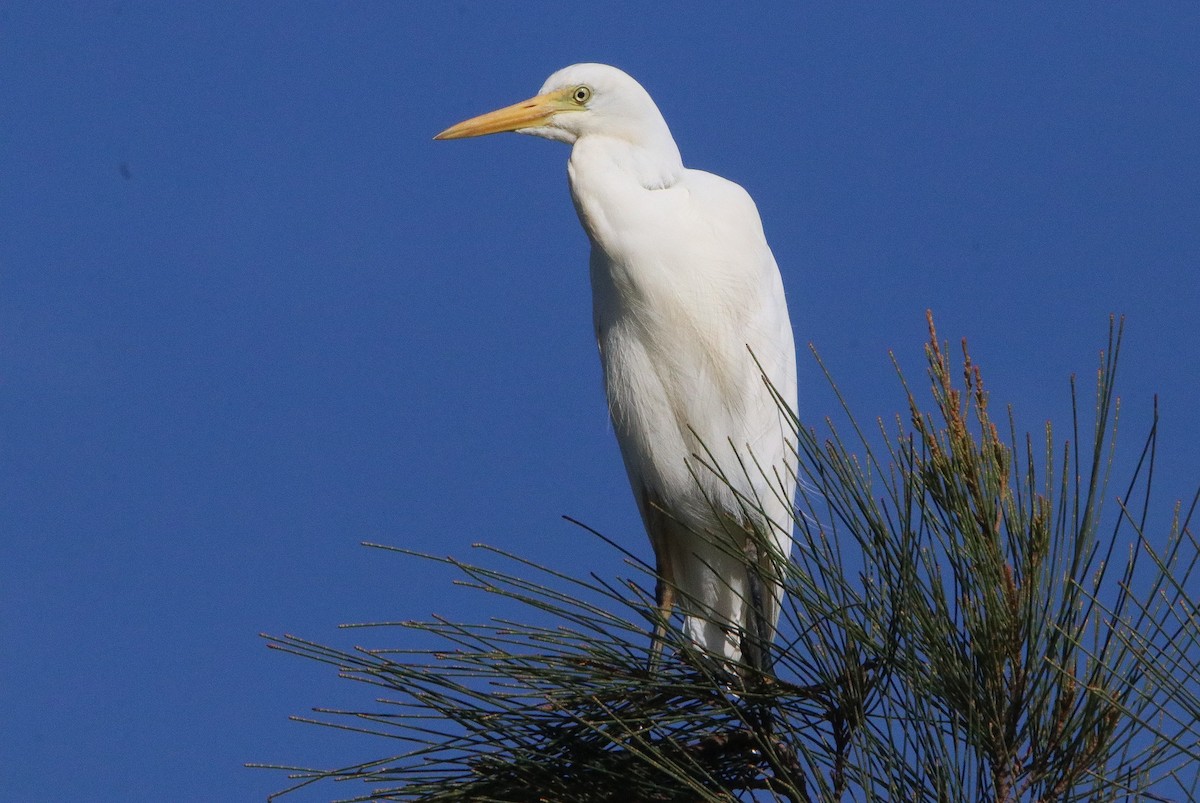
(966, 617)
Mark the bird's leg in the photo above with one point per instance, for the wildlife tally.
(664, 596)
(664, 571)
(756, 645)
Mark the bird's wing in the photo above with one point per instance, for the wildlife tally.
(682, 297)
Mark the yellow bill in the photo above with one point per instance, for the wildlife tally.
(531, 113)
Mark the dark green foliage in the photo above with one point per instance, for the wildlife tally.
(965, 619)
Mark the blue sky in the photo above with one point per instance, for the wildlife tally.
(251, 314)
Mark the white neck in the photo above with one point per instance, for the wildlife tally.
(607, 174)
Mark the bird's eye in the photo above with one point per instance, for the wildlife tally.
(582, 94)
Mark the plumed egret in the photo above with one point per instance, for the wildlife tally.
(694, 334)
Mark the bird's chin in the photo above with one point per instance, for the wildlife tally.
(550, 132)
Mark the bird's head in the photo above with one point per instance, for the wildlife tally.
(576, 101)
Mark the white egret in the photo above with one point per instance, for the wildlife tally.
(694, 333)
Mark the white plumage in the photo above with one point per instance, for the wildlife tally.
(686, 297)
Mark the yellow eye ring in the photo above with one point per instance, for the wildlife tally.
(581, 94)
